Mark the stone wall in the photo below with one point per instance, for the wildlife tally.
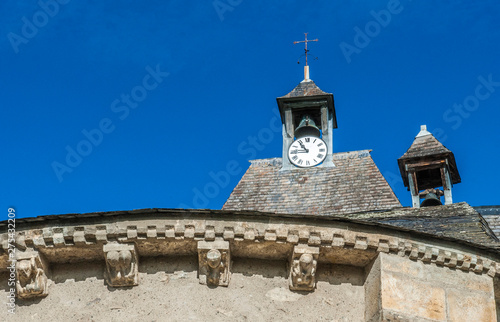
(241, 266)
(391, 288)
(402, 290)
(169, 291)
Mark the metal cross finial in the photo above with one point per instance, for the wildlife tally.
(305, 41)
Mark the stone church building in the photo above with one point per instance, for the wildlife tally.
(314, 235)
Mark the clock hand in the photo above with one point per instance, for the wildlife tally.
(303, 147)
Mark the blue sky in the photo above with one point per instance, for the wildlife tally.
(166, 101)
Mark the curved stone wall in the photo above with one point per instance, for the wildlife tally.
(132, 253)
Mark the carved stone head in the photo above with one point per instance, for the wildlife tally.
(214, 258)
(120, 261)
(306, 261)
(31, 275)
(121, 264)
(25, 270)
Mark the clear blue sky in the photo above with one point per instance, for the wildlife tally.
(172, 92)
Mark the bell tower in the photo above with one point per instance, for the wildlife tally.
(308, 119)
(428, 165)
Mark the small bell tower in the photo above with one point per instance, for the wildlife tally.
(428, 165)
(307, 115)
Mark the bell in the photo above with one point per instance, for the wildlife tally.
(307, 127)
(431, 199)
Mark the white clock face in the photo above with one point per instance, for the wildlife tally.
(307, 151)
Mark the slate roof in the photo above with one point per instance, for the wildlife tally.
(425, 146)
(458, 221)
(492, 215)
(355, 184)
(305, 88)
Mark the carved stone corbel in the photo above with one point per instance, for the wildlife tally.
(31, 273)
(303, 266)
(214, 261)
(122, 265)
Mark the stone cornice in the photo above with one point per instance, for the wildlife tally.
(171, 232)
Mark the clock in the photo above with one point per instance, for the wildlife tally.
(307, 151)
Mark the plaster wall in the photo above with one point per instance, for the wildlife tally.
(169, 290)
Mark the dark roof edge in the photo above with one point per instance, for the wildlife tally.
(248, 213)
(485, 207)
(486, 227)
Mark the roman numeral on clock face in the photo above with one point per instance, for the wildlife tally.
(307, 151)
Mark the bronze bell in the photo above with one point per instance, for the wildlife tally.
(431, 199)
(307, 127)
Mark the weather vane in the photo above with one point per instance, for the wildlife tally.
(306, 67)
(305, 42)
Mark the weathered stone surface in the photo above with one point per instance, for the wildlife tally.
(122, 264)
(31, 275)
(470, 306)
(372, 289)
(341, 241)
(413, 298)
(214, 260)
(411, 290)
(169, 291)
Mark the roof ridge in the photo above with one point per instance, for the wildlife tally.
(359, 153)
(270, 161)
(352, 154)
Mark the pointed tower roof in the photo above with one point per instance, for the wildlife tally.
(424, 152)
(305, 88)
(307, 94)
(425, 144)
